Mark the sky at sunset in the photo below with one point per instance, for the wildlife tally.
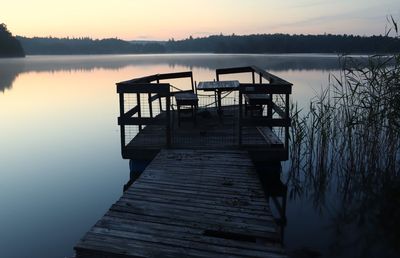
(161, 19)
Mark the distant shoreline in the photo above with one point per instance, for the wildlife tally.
(218, 44)
(309, 54)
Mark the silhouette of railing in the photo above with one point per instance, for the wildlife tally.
(133, 112)
(269, 130)
(278, 90)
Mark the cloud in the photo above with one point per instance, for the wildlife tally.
(364, 14)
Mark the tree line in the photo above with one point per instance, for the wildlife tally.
(9, 45)
(259, 43)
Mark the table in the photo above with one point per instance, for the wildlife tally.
(218, 86)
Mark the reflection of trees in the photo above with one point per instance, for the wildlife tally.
(10, 68)
(349, 144)
(9, 72)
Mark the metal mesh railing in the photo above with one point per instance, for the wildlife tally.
(211, 128)
(150, 135)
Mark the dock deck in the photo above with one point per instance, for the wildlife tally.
(209, 132)
(189, 203)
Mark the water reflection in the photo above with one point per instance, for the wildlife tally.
(59, 114)
(275, 190)
(11, 68)
(9, 71)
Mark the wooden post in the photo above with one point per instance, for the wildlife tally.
(122, 126)
(140, 108)
(159, 99)
(253, 77)
(168, 120)
(240, 116)
(150, 106)
(269, 108)
(287, 126)
(193, 85)
(121, 105)
(219, 104)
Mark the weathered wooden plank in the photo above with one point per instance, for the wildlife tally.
(156, 237)
(165, 76)
(254, 199)
(187, 223)
(243, 210)
(161, 88)
(173, 231)
(264, 219)
(189, 204)
(206, 221)
(279, 110)
(213, 180)
(237, 174)
(154, 187)
(112, 245)
(199, 187)
(247, 205)
(243, 69)
(270, 137)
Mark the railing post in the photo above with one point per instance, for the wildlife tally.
(193, 85)
(159, 99)
(287, 126)
(168, 120)
(140, 109)
(122, 126)
(150, 106)
(240, 116)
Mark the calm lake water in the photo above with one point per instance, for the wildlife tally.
(60, 161)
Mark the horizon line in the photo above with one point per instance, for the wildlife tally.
(206, 36)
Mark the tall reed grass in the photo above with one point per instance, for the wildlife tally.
(348, 143)
(352, 128)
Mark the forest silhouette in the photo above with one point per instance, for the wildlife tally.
(9, 45)
(260, 43)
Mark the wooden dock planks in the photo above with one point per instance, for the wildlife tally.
(188, 203)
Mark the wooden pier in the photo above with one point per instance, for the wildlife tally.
(189, 203)
(201, 195)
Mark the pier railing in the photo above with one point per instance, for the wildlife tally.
(147, 103)
(131, 106)
(277, 114)
(138, 109)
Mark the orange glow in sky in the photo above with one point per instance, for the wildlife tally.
(163, 19)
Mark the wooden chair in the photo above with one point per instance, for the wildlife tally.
(257, 101)
(187, 101)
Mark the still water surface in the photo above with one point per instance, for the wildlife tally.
(60, 162)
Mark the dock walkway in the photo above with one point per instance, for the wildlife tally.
(189, 203)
